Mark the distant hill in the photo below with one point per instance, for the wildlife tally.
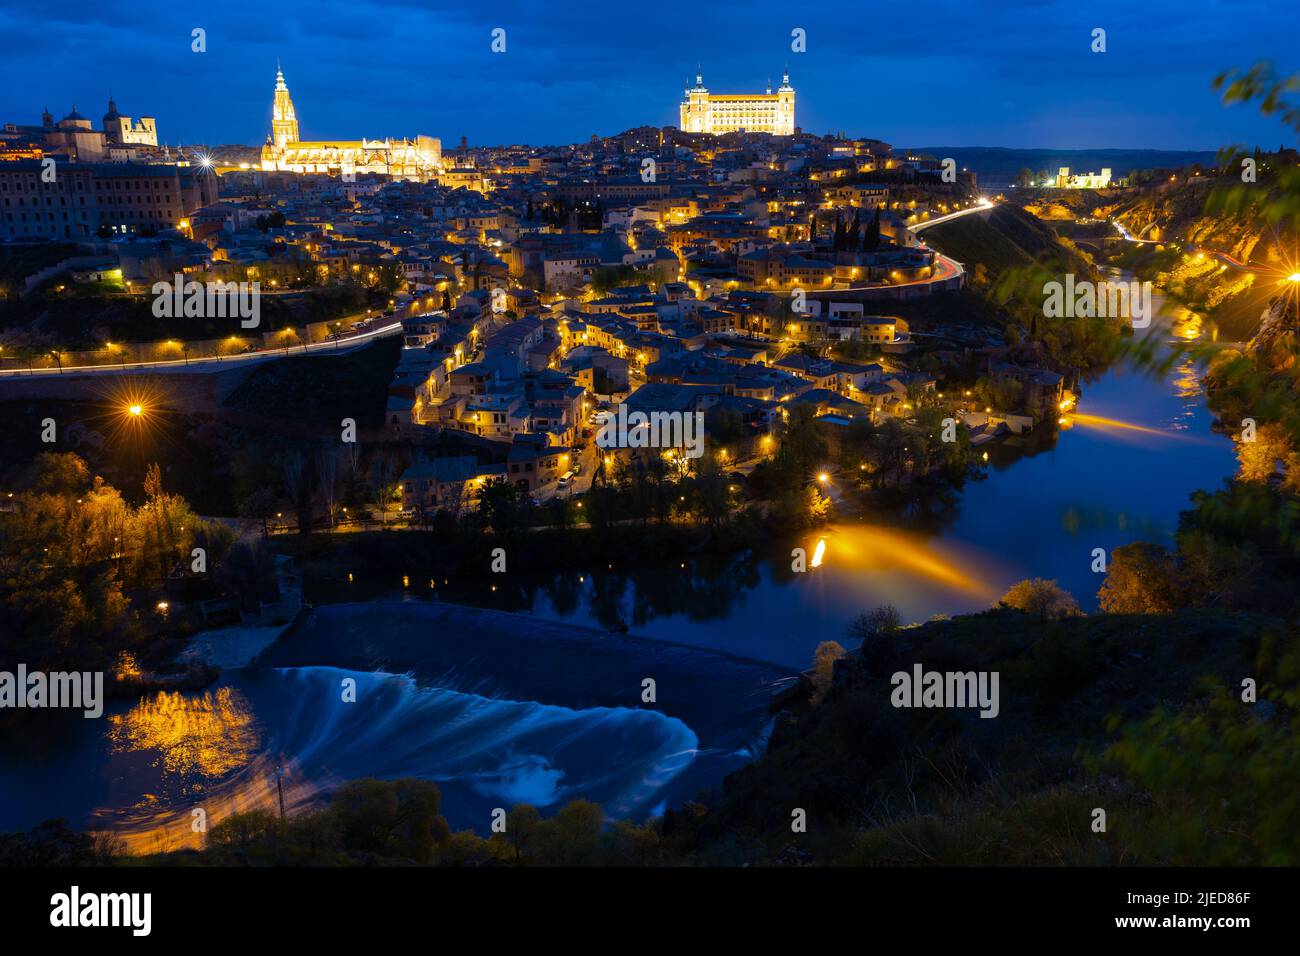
(998, 166)
(1007, 239)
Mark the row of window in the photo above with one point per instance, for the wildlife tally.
(69, 231)
(158, 213)
(81, 216)
(32, 184)
(48, 201)
(36, 217)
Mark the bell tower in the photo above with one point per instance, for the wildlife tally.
(284, 122)
(695, 113)
(785, 107)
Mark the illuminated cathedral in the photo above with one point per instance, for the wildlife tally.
(418, 159)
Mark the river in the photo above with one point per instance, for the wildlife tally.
(540, 709)
(1120, 470)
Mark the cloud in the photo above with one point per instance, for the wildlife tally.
(1014, 71)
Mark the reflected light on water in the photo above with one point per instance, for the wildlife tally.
(206, 736)
(207, 748)
(876, 548)
(1115, 426)
(1187, 380)
(1188, 326)
(153, 826)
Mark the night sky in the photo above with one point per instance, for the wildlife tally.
(1009, 73)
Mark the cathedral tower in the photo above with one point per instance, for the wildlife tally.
(284, 122)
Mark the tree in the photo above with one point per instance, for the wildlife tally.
(871, 238)
(1042, 599)
(1142, 579)
(572, 836)
(1002, 394)
(241, 830)
(59, 473)
(168, 526)
(1258, 460)
(885, 619)
(818, 507)
(611, 277)
(709, 496)
(327, 473)
(523, 826)
(297, 486)
(1217, 782)
(824, 658)
(382, 483)
(390, 818)
(875, 630)
(259, 506)
(500, 507)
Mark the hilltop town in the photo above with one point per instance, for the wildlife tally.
(735, 272)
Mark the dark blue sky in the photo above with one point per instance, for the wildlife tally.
(940, 72)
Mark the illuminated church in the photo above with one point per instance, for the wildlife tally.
(705, 112)
(418, 159)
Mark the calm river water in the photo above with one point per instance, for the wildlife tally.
(503, 710)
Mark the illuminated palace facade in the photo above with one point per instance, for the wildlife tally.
(418, 159)
(705, 112)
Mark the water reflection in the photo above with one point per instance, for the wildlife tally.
(203, 752)
(1118, 428)
(866, 549)
(203, 736)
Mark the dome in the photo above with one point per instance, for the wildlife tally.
(75, 121)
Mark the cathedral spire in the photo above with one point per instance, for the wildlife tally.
(284, 120)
